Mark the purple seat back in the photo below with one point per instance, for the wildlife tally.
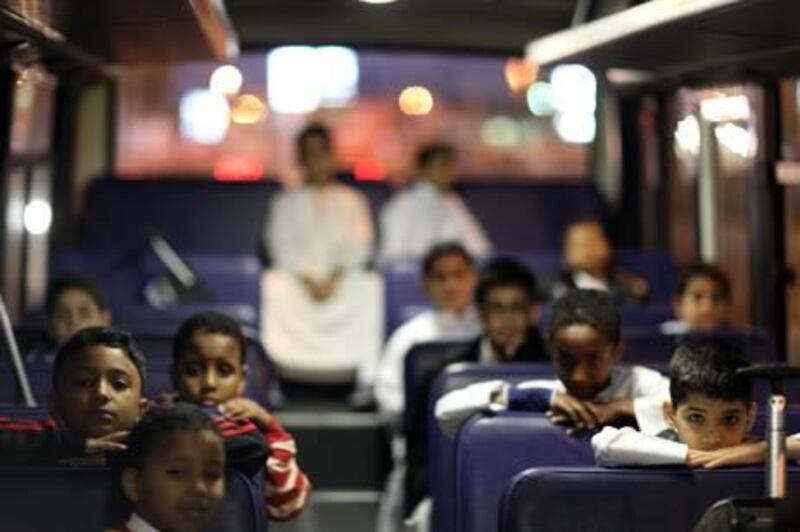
(51, 509)
(491, 450)
(590, 499)
(442, 449)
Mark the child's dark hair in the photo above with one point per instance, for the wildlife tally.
(702, 269)
(442, 250)
(311, 131)
(587, 307)
(72, 282)
(105, 336)
(505, 272)
(430, 152)
(708, 366)
(208, 322)
(158, 423)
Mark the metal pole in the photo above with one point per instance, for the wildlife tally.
(776, 446)
(16, 359)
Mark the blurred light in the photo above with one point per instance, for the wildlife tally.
(338, 73)
(577, 128)
(540, 99)
(501, 132)
(687, 135)
(574, 89)
(226, 80)
(247, 109)
(378, 1)
(300, 79)
(238, 168)
(369, 170)
(415, 100)
(520, 74)
(737, 139)
(725, 108)
(204, 116)
(37, 217)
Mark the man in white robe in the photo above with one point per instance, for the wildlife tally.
(323, 312)
(430, 212)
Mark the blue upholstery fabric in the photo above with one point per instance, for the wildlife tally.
(591, 499)
(36, 499)
(442, 449)
(491, 450)
(196, 215)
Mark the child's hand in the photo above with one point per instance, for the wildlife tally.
(739, 455)
(607, 412)
(243, 408)
(113, 442)
(572, 412)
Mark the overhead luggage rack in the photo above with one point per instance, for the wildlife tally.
(674, 39)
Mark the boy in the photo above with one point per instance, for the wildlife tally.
(711, 408)
(97, 397)
(73, 302)
(449, 280)
(591, 389)
(588, 264)
(209, 369)
(429, 212)
(702, 301)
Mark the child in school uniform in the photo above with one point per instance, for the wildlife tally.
(710, 409)
(702, 301)
(209, 369)
(591, 390)
(98, 395)
(172, 476)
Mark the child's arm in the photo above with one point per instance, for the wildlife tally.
(30, 442)
(627, 447)
(456, 406)
(245, 449)
(287, 487)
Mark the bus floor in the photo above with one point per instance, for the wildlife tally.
(344, 453)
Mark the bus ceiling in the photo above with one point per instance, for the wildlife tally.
(679, 41)
(95, 35)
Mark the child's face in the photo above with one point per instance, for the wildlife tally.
(586, 248)
(450, 283)
(182, 482)
(702, 305)
(209, 370)
(583, 358)
(441, 171)
(99, 392)
(74, 310)
(506, 316)
(708, 424)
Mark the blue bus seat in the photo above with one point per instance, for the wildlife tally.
(442, 449)
(36, 499)
(591, 499)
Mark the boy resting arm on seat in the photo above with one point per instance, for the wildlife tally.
(591, 390)
(209, 369)
(711, 409)
(97, 396)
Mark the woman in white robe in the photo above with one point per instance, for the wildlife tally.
(322, 311)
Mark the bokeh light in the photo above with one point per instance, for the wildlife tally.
(415, 101)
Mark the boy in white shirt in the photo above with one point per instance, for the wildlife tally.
(590, 391)
(711, 409)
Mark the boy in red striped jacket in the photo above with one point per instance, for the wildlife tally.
(97, 397)
(209, 369)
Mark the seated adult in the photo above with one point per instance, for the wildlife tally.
(429, 212)
(702, 301)
(73, 302)
(323, 312)
(588, 263)
(449, 280)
